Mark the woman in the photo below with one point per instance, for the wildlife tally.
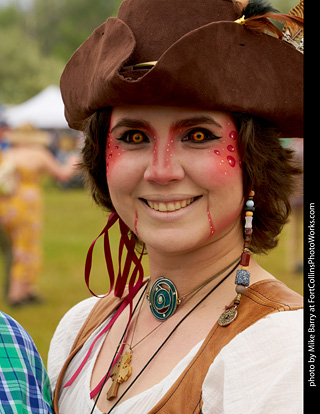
(21, 207)
(182, 147)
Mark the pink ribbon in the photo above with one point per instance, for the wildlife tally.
(134, 285)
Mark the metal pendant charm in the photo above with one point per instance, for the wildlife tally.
(120, 373)
(163, 299)
(228, 316)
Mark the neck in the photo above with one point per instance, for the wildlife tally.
(189, 269)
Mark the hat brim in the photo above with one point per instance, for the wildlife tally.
(219, 66)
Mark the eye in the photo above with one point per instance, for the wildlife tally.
(199, 135)
(134, 137)
(137, 137)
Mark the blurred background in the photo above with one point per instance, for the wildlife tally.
(37, 38)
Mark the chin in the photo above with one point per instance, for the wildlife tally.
(173, 241)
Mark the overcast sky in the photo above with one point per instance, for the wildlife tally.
(24, 3)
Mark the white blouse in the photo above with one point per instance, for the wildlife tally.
(258, 372)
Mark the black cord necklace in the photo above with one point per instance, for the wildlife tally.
(115, 354)
(160, 347)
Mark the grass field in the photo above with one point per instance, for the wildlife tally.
(72, 221)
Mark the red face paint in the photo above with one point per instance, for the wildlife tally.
(113, 152)
(164, 165)
(136, 224)
(224, 171)
(233, 135)
(212, 230)
(231, 161)
(227, 147)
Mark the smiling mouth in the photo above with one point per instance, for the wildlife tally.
(170, 205)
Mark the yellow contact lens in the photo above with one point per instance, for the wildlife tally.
(198, 136)
(137, 137)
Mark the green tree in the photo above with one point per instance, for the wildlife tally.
(36, 42)
(62, 25)
(24, 71)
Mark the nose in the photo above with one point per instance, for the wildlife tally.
(165, 165)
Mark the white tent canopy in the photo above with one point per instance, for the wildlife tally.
(45, 110)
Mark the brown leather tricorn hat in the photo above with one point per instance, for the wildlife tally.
(203, 59)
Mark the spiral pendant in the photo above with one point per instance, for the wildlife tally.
(163, 299)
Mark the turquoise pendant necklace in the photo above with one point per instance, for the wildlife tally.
(164, 299)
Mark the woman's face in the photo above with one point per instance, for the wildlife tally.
(174, 174)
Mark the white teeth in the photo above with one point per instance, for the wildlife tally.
(162, 207)
(170, 206)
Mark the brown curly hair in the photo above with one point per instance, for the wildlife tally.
(268, 169)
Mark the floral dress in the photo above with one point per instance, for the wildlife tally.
(21, 218)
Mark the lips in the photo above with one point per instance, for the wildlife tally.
(170, 205)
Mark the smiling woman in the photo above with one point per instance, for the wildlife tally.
(181, 159)
(187, 158)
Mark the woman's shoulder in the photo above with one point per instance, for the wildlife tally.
(72, 321)
(65, 334)
(278, 325)
(279, 332)
(269, 352)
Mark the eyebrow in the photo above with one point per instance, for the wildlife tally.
(130, 123)
(182, 123)
(189, 122)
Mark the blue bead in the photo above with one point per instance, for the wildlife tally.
(242, 277)
(250, 203)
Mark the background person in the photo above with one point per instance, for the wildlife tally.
(21, 209)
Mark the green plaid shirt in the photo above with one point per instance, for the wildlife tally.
(24, 384)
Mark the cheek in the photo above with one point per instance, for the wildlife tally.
(221, 166)
(225, 158)
(224, 172)
(115, 171)
(113, 154)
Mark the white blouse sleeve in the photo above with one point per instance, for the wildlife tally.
(64, 337)
(260, 370)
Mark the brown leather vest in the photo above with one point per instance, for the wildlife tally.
(185, 395)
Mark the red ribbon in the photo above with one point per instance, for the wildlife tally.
(118, 286)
